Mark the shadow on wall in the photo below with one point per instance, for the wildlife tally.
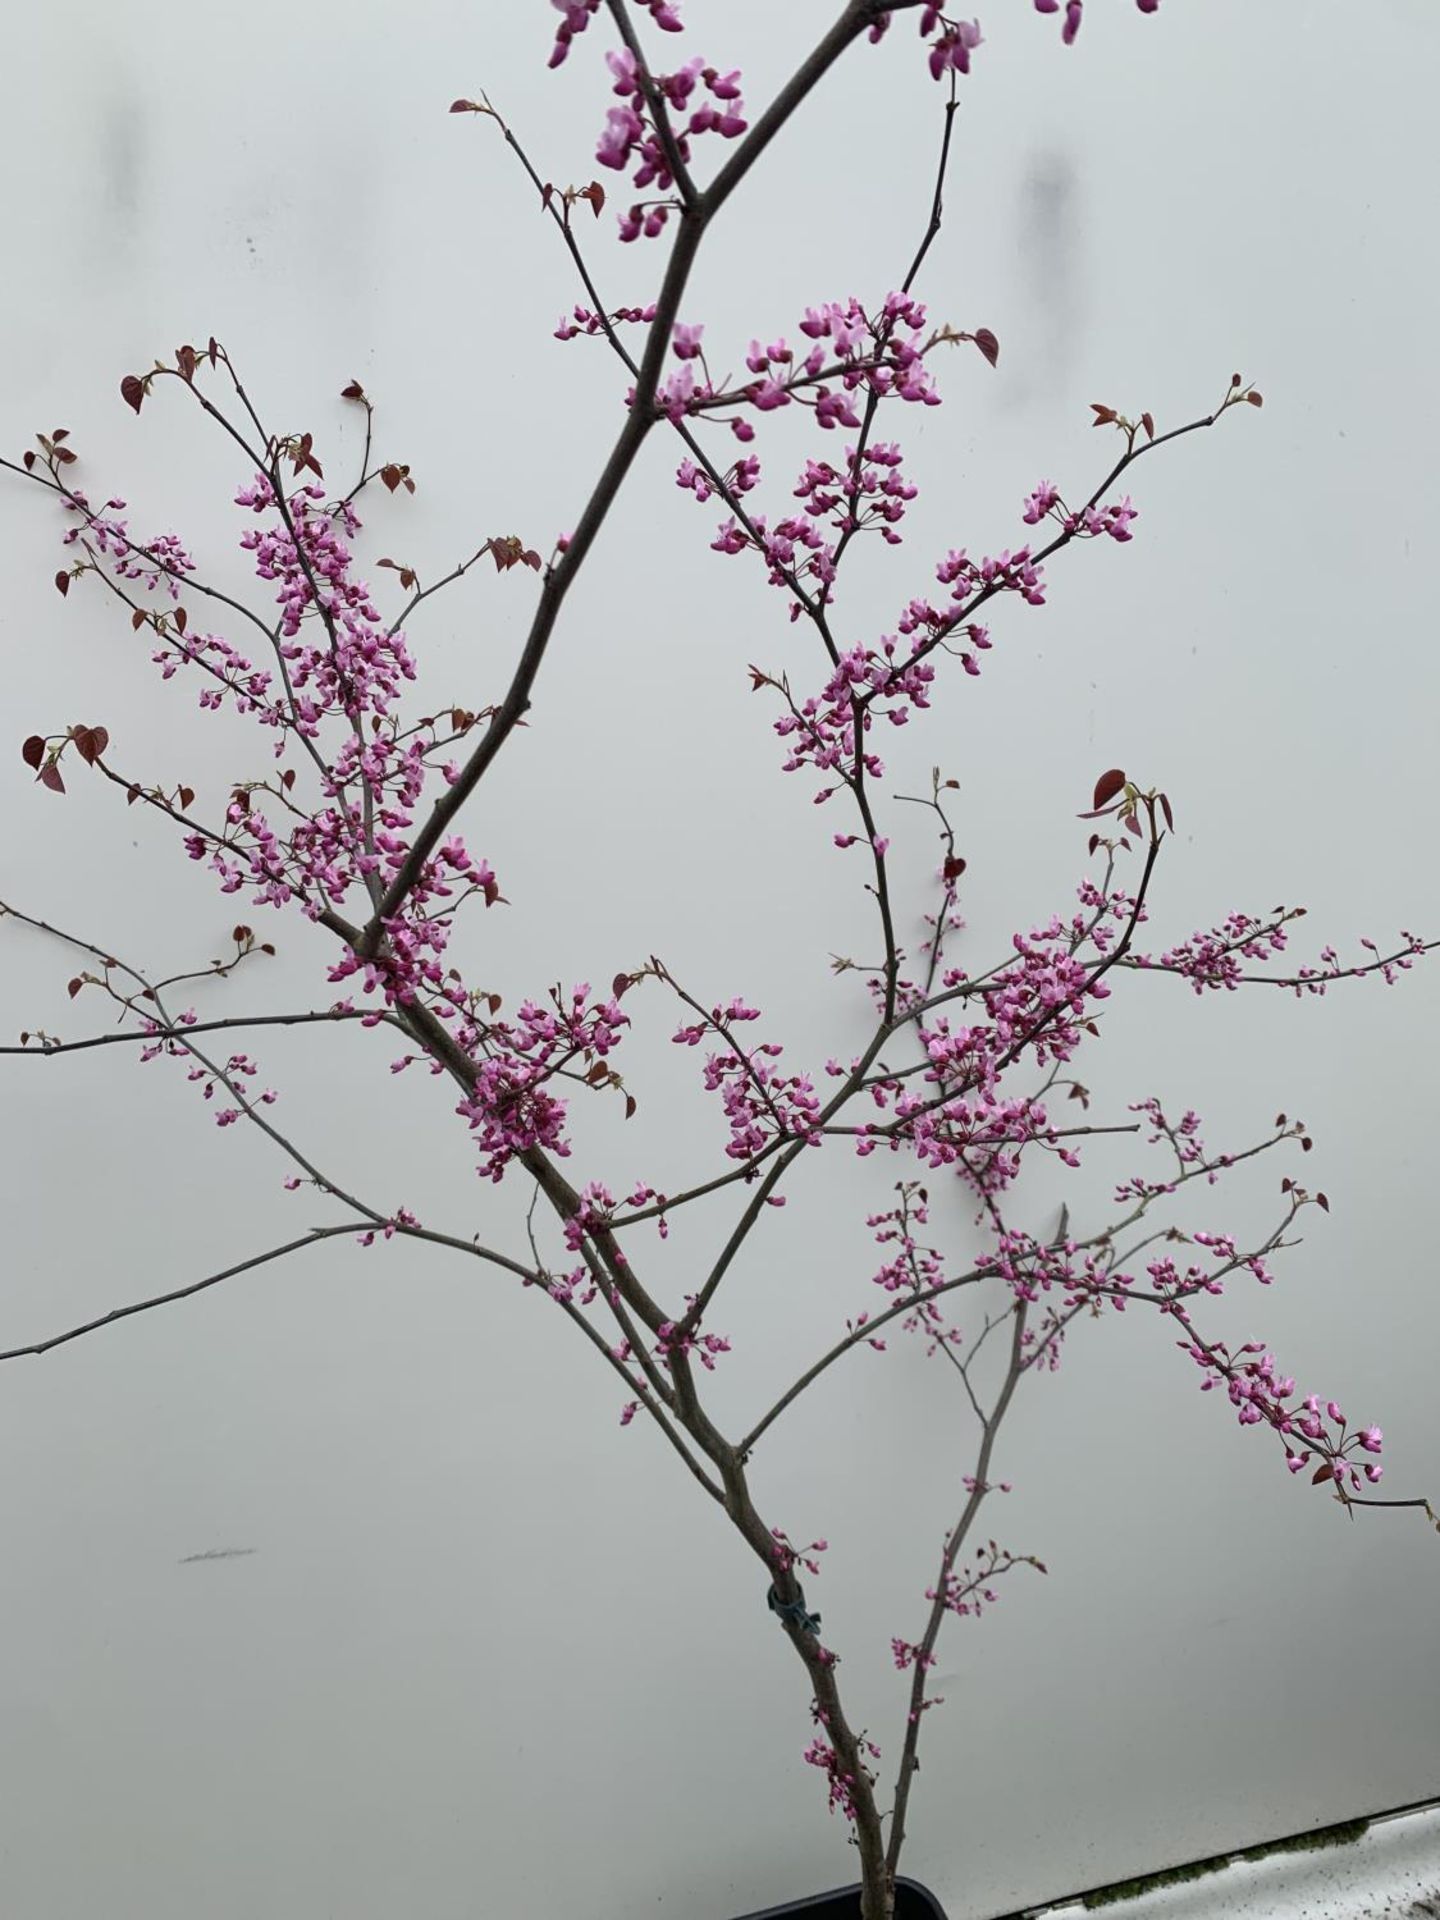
(1052, 283)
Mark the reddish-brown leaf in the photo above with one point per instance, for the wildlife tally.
(1107, 786)
(62, 582)
(185, 358)
(463, 106)
(1103, 415)
(33, 751)
(50, 777)
(1094, 843)
(629, 1106)
(1320, 1473)
(132, 391)
(101, 738)
(1322, 1202)
(74, 987)
(1165, 809)
(60, 433)
(954, 866)
(987, 343)
(595, 194)
(1306, 1143)
(1255, 399)
(29, 459)
(1147, 421)
(287, 778)
(618, 985)
(132, 794)
(84, 744)
(187, 798)
(181, 619)
(353, 392)
(137, 619)
(64, 457)
(213, 350)
(1131, 823)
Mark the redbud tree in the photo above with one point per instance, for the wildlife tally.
(348, 822)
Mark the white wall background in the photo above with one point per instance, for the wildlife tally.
(488, 1655)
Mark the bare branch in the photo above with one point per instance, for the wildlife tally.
(311, 1239)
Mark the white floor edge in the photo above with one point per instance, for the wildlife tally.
(1391, 1871)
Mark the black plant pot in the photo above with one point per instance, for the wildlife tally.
(912, 1902)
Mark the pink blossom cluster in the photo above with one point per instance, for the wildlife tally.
(305, 551)
(402, 1217)
(1315, 979)
(761, 1104)
(966, 1594)
(821, 1753)
(353, 668)
(672, 1342)
(596, 1208)
(1183, 1136)
(1260, 1395)
(576, 15)
(1038, 1008)
(1074, 13)
(1214, 957)
(1090, 521)
(913, 1266)
(822, 733)
(787, 1555)
(162, 564)
(565, 1287)
(869, 490)
(584, 320)
(981, 1133)
(952, 41)
(882, 355)
(1007, 572)
(632, 140)
(739, 478)
(345, 666)
(238, 1067)
(915, 1269)
(231, 673)
(159, 565)
(1032, 1269)
(512, 1106)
